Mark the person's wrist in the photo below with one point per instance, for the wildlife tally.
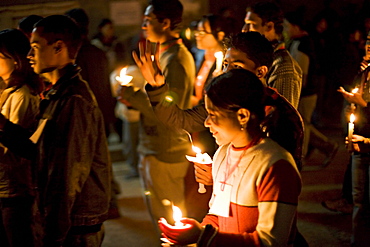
(366, 140)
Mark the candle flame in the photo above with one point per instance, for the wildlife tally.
(352, 118)
(219, 55)
(123, 78)
(355, 90)
(177, 214)
(196, 149)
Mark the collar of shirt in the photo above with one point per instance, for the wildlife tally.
(166, 45)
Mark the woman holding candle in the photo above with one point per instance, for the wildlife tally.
(360, 160)
(256, 182)
(19, 103)
(209, 35)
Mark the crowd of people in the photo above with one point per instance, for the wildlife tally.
(255, 109)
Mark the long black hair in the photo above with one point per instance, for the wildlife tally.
(14, 44)
(238, 89)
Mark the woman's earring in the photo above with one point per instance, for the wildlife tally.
(242, 127)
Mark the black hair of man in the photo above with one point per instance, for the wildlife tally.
(80, 16)
(104, 22)
(168, 9)
(26, 24)
(269, 11)
(61, 27)
(256, 47)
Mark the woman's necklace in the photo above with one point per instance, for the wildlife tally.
(230, 168)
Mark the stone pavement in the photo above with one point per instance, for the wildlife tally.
(319, 226)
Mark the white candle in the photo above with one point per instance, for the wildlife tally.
(351, 126)
(219, 59)
(201, 158)
(123, 78)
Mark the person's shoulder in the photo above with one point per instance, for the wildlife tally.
(285, 63)
(271, 151)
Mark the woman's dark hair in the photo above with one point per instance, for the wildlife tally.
(14, 44)
(217, 24)
(238, 89)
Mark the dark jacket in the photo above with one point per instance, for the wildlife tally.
(73, 164)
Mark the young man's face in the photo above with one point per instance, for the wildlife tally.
(253, 23)
(367, 49)
(151, 27)
(41, 55)
(236, 59)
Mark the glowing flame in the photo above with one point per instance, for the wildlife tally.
(169, 98)
(352, 118)
(123, 78)
(355, 90)
(219, 55)
(196, 149)
(177, 215)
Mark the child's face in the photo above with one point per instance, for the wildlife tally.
(224, 126)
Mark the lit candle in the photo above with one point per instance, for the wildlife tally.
(201, 158)
(177, 216)
(351, 126)
(219, 58)
(123, 78)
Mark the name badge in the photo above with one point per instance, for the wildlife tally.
(221, 201)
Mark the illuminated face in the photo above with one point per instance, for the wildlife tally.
(151, 27)
(6, 66)
(367, 49)
(108, 30)
(224, 127)
(253, 23)
(42, 55)
(235, 59)
(204, 37)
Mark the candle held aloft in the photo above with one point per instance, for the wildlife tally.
(351, 127)
(123, 78)
(201, 158)
(219, 59)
